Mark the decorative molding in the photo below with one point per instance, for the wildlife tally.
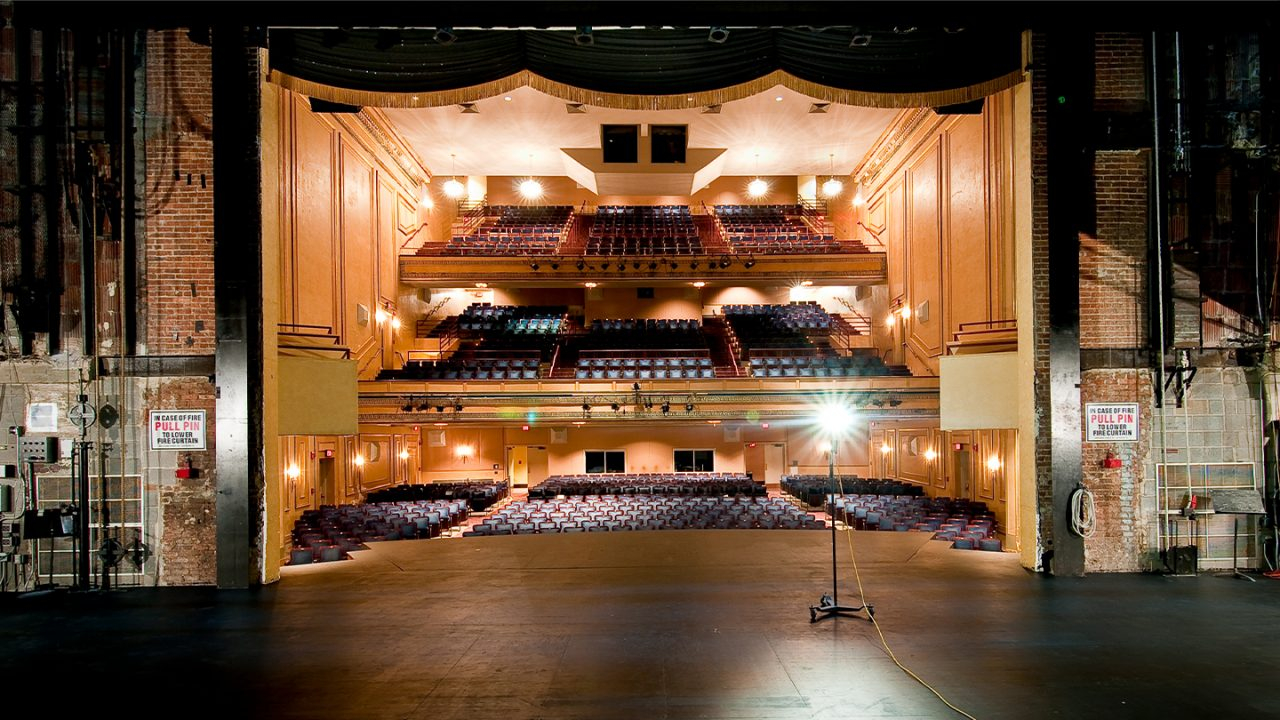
(901, 130)
(393, 143)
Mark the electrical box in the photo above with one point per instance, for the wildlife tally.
(40, 450)
(6, 498)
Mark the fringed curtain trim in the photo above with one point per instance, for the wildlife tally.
(569, 93)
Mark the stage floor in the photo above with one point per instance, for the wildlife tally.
(672, 624)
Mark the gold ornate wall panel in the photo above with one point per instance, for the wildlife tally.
(348, 207)
(911, 449)
(970, 279)
(379, 462)
(941, 187)
(895, 232)
(314, 287)
(924, 258)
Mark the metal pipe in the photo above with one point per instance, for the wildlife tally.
(1161, 500)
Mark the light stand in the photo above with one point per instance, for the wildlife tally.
(829, 605)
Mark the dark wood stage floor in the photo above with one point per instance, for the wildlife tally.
(675, 624)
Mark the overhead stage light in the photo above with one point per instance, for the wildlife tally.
(582, 36)
(718, 34)
(444, 35)
(531, 189)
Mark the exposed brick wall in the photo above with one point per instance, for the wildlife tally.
(176, 301)
(1113, 265)
(188, 554)
(1121, 67)
(1119, 543)
(1040, 290)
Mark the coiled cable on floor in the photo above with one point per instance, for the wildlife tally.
(1083, 520)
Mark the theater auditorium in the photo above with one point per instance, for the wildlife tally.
(554, 361)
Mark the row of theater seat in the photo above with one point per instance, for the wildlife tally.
(710, 484)
(332, 532)
(646, 324)
(644, 373)
(949, 520)
(813, 489)
(624, 363)
(463, 370)
(478, 494)
(595, 513)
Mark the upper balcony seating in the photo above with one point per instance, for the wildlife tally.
(643, 230)
(511, 230)
(774, 229)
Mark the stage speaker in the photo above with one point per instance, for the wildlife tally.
(559, 436)
(435, 438)
(1181, 559)
(861, 292)
(733, 434)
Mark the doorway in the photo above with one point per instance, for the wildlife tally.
(766, 461)
(962, 471)
(328, 482)
(527, 465)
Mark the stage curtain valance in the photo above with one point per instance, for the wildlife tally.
(647, 69)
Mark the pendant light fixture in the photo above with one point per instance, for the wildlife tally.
(530, 189)
(452, 188)
(832, 187)
(757, 187)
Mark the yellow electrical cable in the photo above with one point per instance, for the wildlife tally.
(884, 643)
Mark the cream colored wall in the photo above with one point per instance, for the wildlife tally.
(667, 302)
(742, 295)
(569, 297)
(648, 447)
(721, 191)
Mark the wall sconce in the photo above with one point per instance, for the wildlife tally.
(395, 322)
(885, 449)
(993, 463)
(380, 316)
(930, 455)
(358, 460)
(464, 452)
(404, 454)
(293, 472)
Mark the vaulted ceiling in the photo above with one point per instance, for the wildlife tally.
(778, 132)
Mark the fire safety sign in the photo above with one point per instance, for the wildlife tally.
(1115, 422)
(177, 430)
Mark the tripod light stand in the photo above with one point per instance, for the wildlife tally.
(834, 419)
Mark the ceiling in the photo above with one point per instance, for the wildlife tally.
(524, 134)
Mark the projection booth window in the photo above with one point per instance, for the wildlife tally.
(606, 461)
